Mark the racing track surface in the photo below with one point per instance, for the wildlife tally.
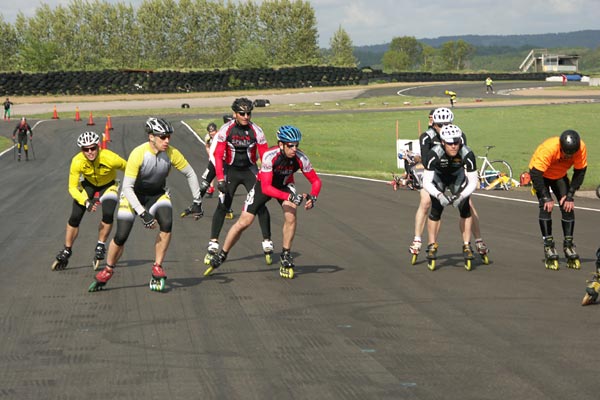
(359, 322)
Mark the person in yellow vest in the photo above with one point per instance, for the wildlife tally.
(452, 96)
(489, 88)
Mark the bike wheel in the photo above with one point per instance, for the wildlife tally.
(503, 168)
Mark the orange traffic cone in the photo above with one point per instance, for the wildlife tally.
(109, 123)
(77, 116)
(91, 120)
(55, 114)
(103, 144)
(107, 132)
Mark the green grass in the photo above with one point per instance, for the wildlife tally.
(363, 143)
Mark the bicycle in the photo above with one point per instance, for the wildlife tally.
(495, 174)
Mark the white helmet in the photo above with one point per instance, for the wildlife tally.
(88, 139)
(442, 115)
(451, 134)
(158, 126)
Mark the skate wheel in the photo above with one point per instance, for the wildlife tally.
(96, 265)
(208, 271)
(95, 286)
(431, 265)
(229, 215)
(413, 259)
(587, 300)
(55, 265)
(468, 265)
(485, 259)
(574, 264)
(269, 258)
(207, 259)
(157, 285)
(287, 273)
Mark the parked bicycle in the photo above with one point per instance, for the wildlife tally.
(495, 174)
(412, 179)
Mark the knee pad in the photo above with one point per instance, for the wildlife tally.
(435, 214)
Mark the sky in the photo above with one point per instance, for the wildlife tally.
(370, 22)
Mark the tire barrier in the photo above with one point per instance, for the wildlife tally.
(185, 105)
(261, 103)
(146, 82)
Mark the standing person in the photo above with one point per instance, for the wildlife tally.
(239, 144)
(144, 193)
(98, 167)
(7, 105)
(489, 88)
(548, 169)
(276, 180)
(452, 96)
(23, 128)
(450, 166)
(439, 118)
(211, 131)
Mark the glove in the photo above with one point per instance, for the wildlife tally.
(149, 221)
(222, 186)
(312, 199)
(457, 200)
(196, 209)
(443, 199)
(89, 205)
(295, 198)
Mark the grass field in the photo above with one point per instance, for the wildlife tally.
(363, 143)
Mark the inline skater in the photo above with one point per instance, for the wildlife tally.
(239, 144)
(211, 131)
(450, 166)
(98, 167)
(23, 128)
(438, 118)
(144, 193)
(7, 105)
(276, 180)
(548, 168)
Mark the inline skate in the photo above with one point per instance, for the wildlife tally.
(570, 253)
(157, 282)
(99, 255)
(101, 279)
(431, 255)
(550, 254)
(483, 251)
(267, 246)
(62, 259)
(286, 269)
(414, 249)
(211, 250)
(592, 290)
(229, 214)
(468, 256)
(215, 262)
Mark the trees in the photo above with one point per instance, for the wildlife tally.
(455, 54)
(404, 54)
(341, 50)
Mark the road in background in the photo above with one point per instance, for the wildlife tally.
(359, 322)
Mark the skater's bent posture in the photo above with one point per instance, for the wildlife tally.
(98, 167)
(276, 180)
(439, 118)
(451, 166)
(548, 169)
(20, 134)
(144, 194)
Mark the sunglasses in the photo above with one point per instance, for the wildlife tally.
(162, 137)
(292, 145)
(243, 113)
(453, 144)
(88, 149)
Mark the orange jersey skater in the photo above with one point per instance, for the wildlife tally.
(549, 159)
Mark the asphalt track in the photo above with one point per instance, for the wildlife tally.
(359, 322)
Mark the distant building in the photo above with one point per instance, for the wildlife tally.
(539, 60)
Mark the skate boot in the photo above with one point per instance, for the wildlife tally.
(483, 251)
(431, 255)
(157, 282)
(570, 253)
(62, 259)
(99, 256)
(592, 290)
(19, 157)
(230, 214)
(550, 254)
(215, 262)
(414, 249)
(101, 279)
(468, 255)
(211, 250)
(286, 269)
(267, 246)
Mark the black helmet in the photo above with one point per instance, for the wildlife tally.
(242, 104)
(570, 142)
(211, 127)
